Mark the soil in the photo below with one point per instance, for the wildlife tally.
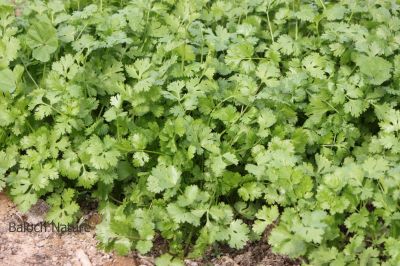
(80, 248)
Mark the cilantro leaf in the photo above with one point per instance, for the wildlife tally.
(42, 39)
(162, 178)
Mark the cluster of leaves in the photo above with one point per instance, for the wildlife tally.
(206, 121)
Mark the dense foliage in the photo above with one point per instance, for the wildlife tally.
(206, 121)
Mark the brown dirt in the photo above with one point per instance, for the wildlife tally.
(254, 254)
(79, 249)
(45, 248)
(259, 254)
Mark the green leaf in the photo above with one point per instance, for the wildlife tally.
(42, 39)
(162, 178)
(167, 260)
(251, 191)
(239, 52)
(335, 12)
(355, 107)
(238, 234)
(312, 227)
(87, 179)
(285, 243)
(377, 69)
(306, 13)
(122, 246)
(315, 65)
(265, 216)
(7, 81)
(145, 226)
(63, 208)
(25, 201)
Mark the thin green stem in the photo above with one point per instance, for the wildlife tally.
(332, 145)
(188, 240)
(296, 30)
(322, 4)
(84, 168)
(118, 134)
(144, 35)
(218, 105)
(52, 107)
(80, 33)
(330, 105)
(155, 152)
(183, 57)
(270, 28)
(100, 112)
(44, 71)
(142, 150)
(247, 58)
(202, 47)
(249, 148)
(114, 199)
(29, 74)
(352, 12)
(29, 125)
(242, 112)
